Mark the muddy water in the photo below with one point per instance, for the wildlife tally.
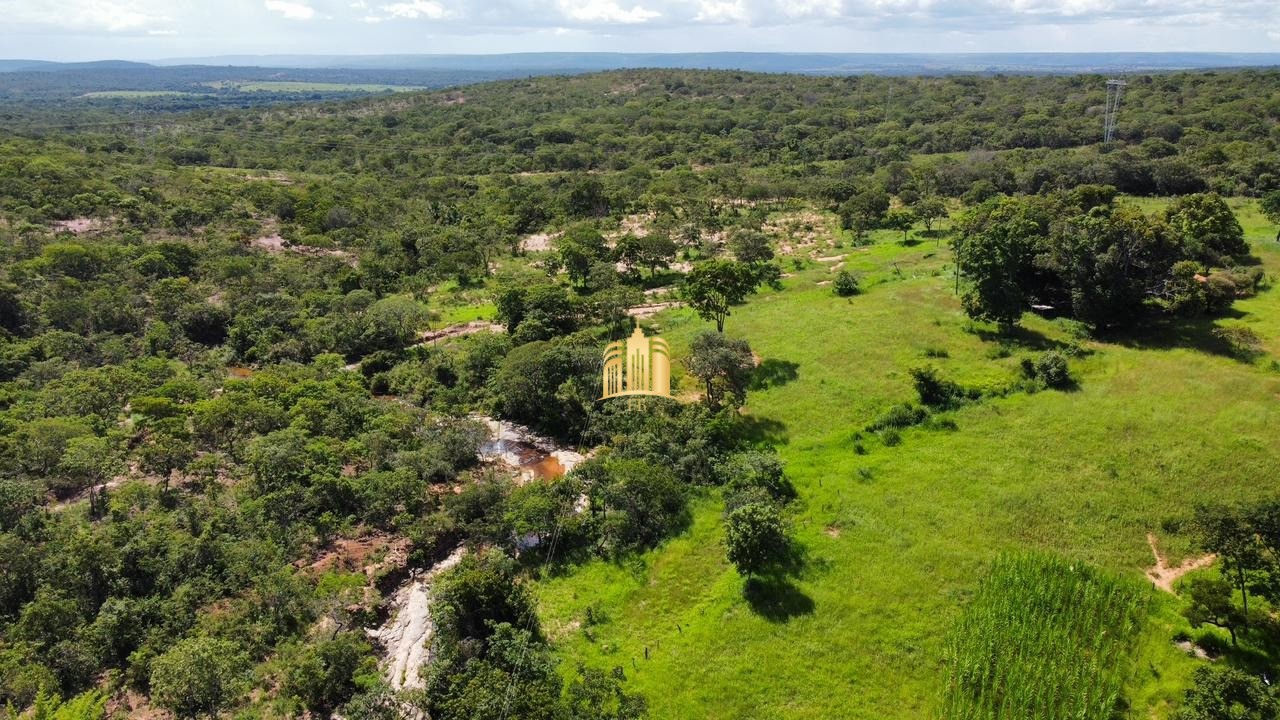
(534, 457)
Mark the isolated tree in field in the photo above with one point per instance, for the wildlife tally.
(756, 538)
(199, 676)
(900, 220)
(1208, 227)
(724, 366)
(713, 287)
(1270, 206)
(929, 209)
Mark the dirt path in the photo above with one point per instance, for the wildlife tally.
(651, 309)
(407, 634)
(475, 326)
(1164, 576)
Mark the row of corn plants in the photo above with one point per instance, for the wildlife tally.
(1043, 638)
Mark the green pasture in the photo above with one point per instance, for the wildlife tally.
(898, 538)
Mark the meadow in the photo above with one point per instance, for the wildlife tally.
(306, 87)
(898, 539)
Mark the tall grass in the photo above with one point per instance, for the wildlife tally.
(1043, 638)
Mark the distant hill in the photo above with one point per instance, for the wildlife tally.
(47, 65)
(809, 63)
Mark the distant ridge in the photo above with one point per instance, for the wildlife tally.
(48, 65)
(519, 64)
(809, 63)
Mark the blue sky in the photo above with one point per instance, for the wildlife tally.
(152, 29)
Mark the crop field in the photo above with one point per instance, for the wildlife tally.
(899, 538)
(1042, 638)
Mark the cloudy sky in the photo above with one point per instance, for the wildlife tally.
(153, 29)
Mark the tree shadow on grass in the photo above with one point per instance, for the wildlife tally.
(763, 430)
(1020, 336)
(774, 373)
(1196, 333)
(776, 599)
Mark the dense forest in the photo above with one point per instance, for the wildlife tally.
(219, 358)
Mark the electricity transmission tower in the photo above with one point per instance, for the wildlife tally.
(1115, 90)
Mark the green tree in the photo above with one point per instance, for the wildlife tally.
(723, 365)
(901, 220)
(1227, 693)
(1208, 227)
(327, 674)
(864, 211)
(756, 538)
(997, 244)
(929, 209)
(1211, 603)
(750, 246)
(200, 676)
(596, 695)
(637, 504)
(89, 461)
(1228, 532)
(1270, 206)
(578, 250)
(713, 287)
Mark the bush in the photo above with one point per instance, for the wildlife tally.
(846, 284)
(199, 676)
(756, 538)
(899, 416)
(762, 470)
(1050, 369)
(891, 437)
(937, 392)
(1239, 340)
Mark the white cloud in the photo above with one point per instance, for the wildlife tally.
(606, 11)
(823, 8)
(291, 10)
(111, 16)
(162, 32)
(718, 11)
(417, 9)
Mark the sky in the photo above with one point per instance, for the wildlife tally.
(159, 29)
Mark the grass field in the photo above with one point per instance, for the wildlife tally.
(305, 87)
(899, 538)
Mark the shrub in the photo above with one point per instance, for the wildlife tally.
(1050, 369)
(846, 284)
(1239, 340)
(891, 437)
(935, 391)
(899, 416)
(936, 352)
